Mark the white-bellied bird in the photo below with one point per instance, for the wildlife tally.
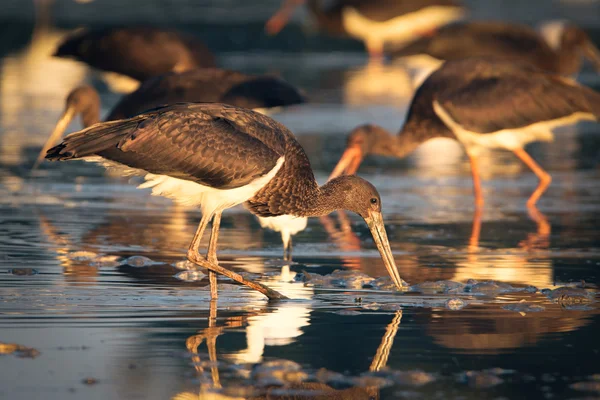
(481, 103)
(216, 156)
(199, 85)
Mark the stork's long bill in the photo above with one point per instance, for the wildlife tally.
(592, 53)
(349, 162)
(61, 126)
(282, 16)
(375, 223)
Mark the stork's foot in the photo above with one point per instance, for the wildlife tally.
(215, 268)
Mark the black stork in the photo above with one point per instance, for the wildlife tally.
(561, 55)
(261, 93)
(217, 156)
(375, 22)
(138, 52)
(198, 85)
(481, 103)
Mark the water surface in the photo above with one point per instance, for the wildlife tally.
(92, 322)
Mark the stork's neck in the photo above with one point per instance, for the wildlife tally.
(325, 199)
(385, 143)
(90, 115)
(404, 144)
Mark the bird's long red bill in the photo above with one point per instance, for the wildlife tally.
(61, 126)
(349, 162)
(282, 16)
(375, 223)
(592, 53)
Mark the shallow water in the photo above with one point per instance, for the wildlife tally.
(91, 318)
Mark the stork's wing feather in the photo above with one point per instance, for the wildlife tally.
(481, 39)
(197, 85)
(210, 144)
(515, 98)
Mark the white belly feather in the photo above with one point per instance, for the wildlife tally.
(288, 225)
(509, 139)
(190, 193)
(403, 28)
(209, 199)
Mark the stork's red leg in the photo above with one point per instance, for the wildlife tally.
(195, 245)
(544, 177)
(375, 49)
(194, 256)
(287, 248)
(475, 229)
(476, 181)
(212, 254)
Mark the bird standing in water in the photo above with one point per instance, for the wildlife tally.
(217, 156)
(138, 52)
(375, 22)
(262, 93)
(483, 104)
(199, 85)
(511, 42)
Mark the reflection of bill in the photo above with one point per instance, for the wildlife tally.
(489, 329)
(75, 272)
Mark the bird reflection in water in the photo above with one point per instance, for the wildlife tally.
(378, 84)
(489, 329)
(524, 264)
(74, 271)
(119, 235)
(211, 387)
(539, 239)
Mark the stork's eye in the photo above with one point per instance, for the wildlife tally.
(374, 200)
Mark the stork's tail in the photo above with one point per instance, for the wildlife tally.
(92, 140)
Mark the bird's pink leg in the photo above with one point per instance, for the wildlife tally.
(212, 254)
(287, 249)
(194, 256)
(476, 181)
(282, 16)
(544, 177)
(195, 245)
(375, 49)
(475, 230)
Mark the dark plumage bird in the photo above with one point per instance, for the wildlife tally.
(375, 22)
(209, 85)
(509, 42)
(217, 156)
(482, 104)
(200, 85)
(138, 52)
